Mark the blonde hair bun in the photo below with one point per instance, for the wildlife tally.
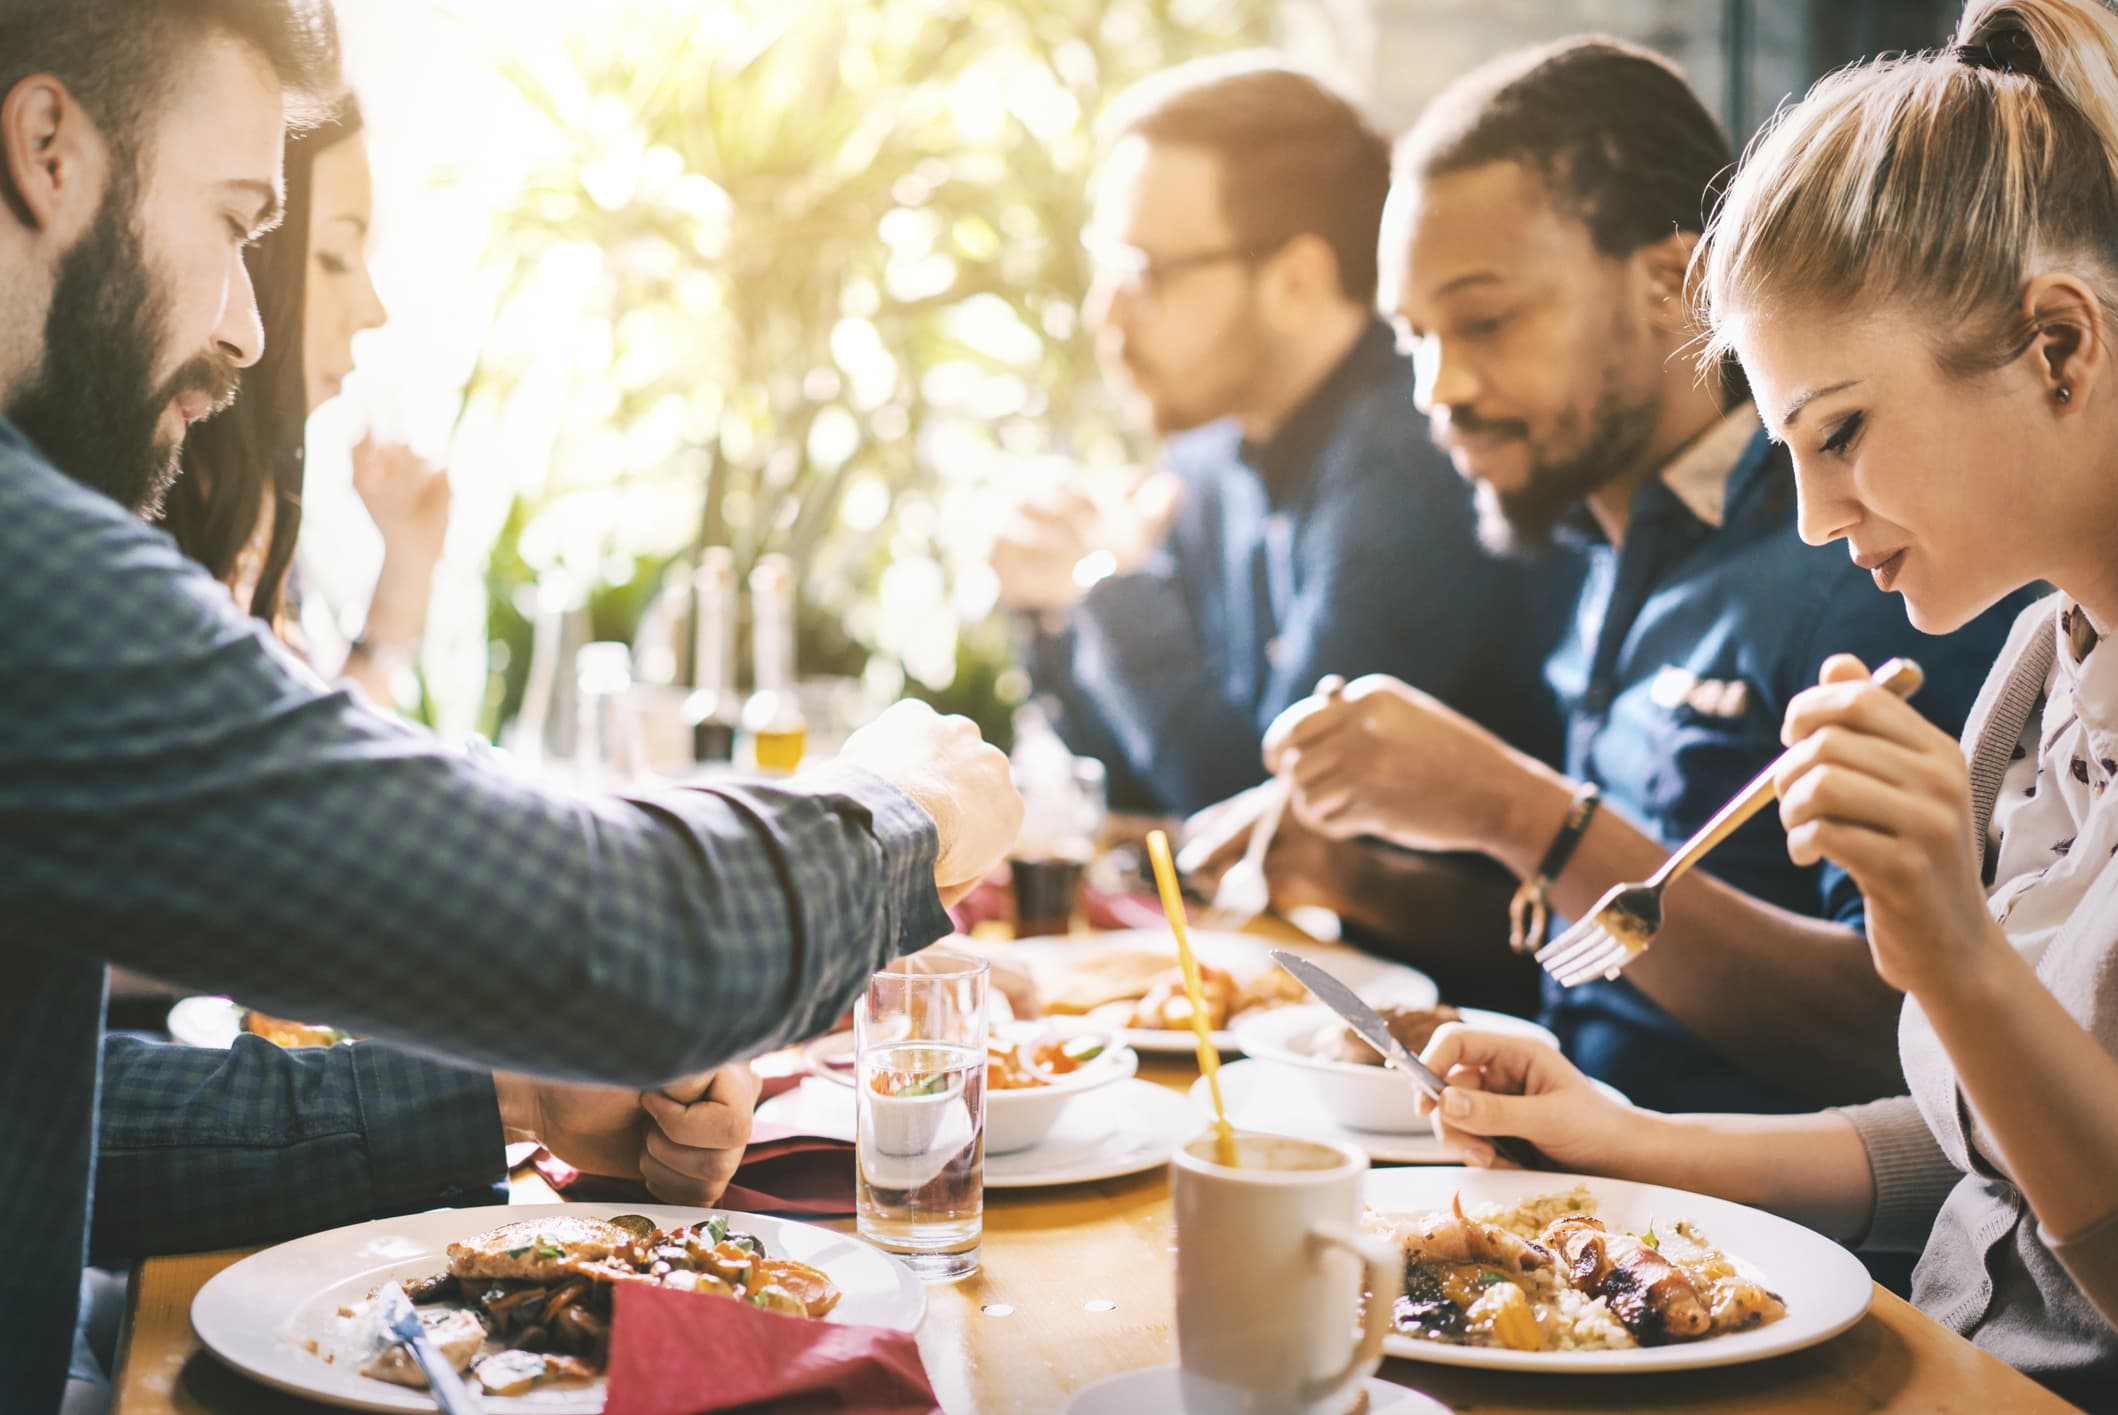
(1935, 182)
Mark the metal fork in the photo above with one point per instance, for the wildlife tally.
(1625, 921)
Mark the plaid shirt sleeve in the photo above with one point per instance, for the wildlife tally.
(200, 1149)
(179, 796)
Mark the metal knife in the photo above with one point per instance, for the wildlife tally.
(401, 1320)
(1368, 1023)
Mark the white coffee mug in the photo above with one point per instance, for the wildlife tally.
(1270, 1267)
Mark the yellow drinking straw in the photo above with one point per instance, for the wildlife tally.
(1209, 1056)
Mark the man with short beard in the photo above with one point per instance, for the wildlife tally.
(1534, 253)
(177, 795)
(1303, 527)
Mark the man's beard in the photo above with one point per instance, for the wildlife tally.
(1520, 522)
(1223, 382)
(92, 406)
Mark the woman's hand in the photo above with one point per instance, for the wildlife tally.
(407, 497)
(1504, 1084)
(1876, 789)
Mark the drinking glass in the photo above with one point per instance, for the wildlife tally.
(1064, 806)
(919, 1037)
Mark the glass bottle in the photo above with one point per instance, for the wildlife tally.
(609, 752)
(544, 732)
(773, 717)
(713, 710)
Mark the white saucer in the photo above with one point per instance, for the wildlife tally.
(1155, 1388)
(1120, 1129)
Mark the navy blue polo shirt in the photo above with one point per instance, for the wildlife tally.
(1689, 641)
(1344, 544)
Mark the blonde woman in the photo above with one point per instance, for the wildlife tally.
(1918, 267)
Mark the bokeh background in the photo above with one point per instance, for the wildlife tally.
(803, 276)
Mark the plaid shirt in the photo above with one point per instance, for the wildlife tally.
(179, 796)
(199, 1149)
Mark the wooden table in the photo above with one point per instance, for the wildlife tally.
(1076, 1286)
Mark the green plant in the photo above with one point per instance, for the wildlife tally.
(803, 276)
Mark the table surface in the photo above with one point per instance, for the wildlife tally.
(1076, 1286)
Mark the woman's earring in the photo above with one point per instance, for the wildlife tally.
(2064, 394)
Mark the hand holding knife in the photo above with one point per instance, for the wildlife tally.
(1368, 1023)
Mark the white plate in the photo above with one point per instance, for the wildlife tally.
(1245, 956)
(205, 1022)
(1156, 1389)
(254, 1315)
(1116, 1130)
(1363, 1098)
(1277, 1100)
(1825, 1287)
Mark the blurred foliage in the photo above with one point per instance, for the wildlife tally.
(804, 276)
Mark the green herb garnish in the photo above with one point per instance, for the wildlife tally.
(548, 1247)
(1649, 1237)
(1487, 1279)
(717, 1229)
(932, 1084)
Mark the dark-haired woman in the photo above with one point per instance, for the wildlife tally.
(237, 508)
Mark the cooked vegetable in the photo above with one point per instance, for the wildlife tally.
(541, 1291)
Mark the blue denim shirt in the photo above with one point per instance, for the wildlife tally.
(1345, 544)
(1688, 644)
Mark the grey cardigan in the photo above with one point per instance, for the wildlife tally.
(1987, 1268)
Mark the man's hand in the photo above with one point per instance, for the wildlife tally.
(1060, 542)
(685, 1141)
(698, 1135)
(956, 777)
(1384, 759)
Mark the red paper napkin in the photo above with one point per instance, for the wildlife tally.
(679, 1353)
(784, 1171)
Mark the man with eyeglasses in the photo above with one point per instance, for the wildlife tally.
(1303, 524)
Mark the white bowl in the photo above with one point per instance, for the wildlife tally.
(1379, 1099)
(1014, 1120)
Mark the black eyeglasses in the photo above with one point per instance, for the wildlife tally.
(1142, 274)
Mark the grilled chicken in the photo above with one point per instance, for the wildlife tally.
(1455, 1238)
(457, 1335)
(1652, 1296)
(541, 1250)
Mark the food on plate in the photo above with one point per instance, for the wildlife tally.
(528, 1306)
(457, 1335)
(1152, 982)
(1166, 1007)
(1028, 1063)
(1549, 1275)
(1098, 977)
(280, 1032)
(1413, 1027)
